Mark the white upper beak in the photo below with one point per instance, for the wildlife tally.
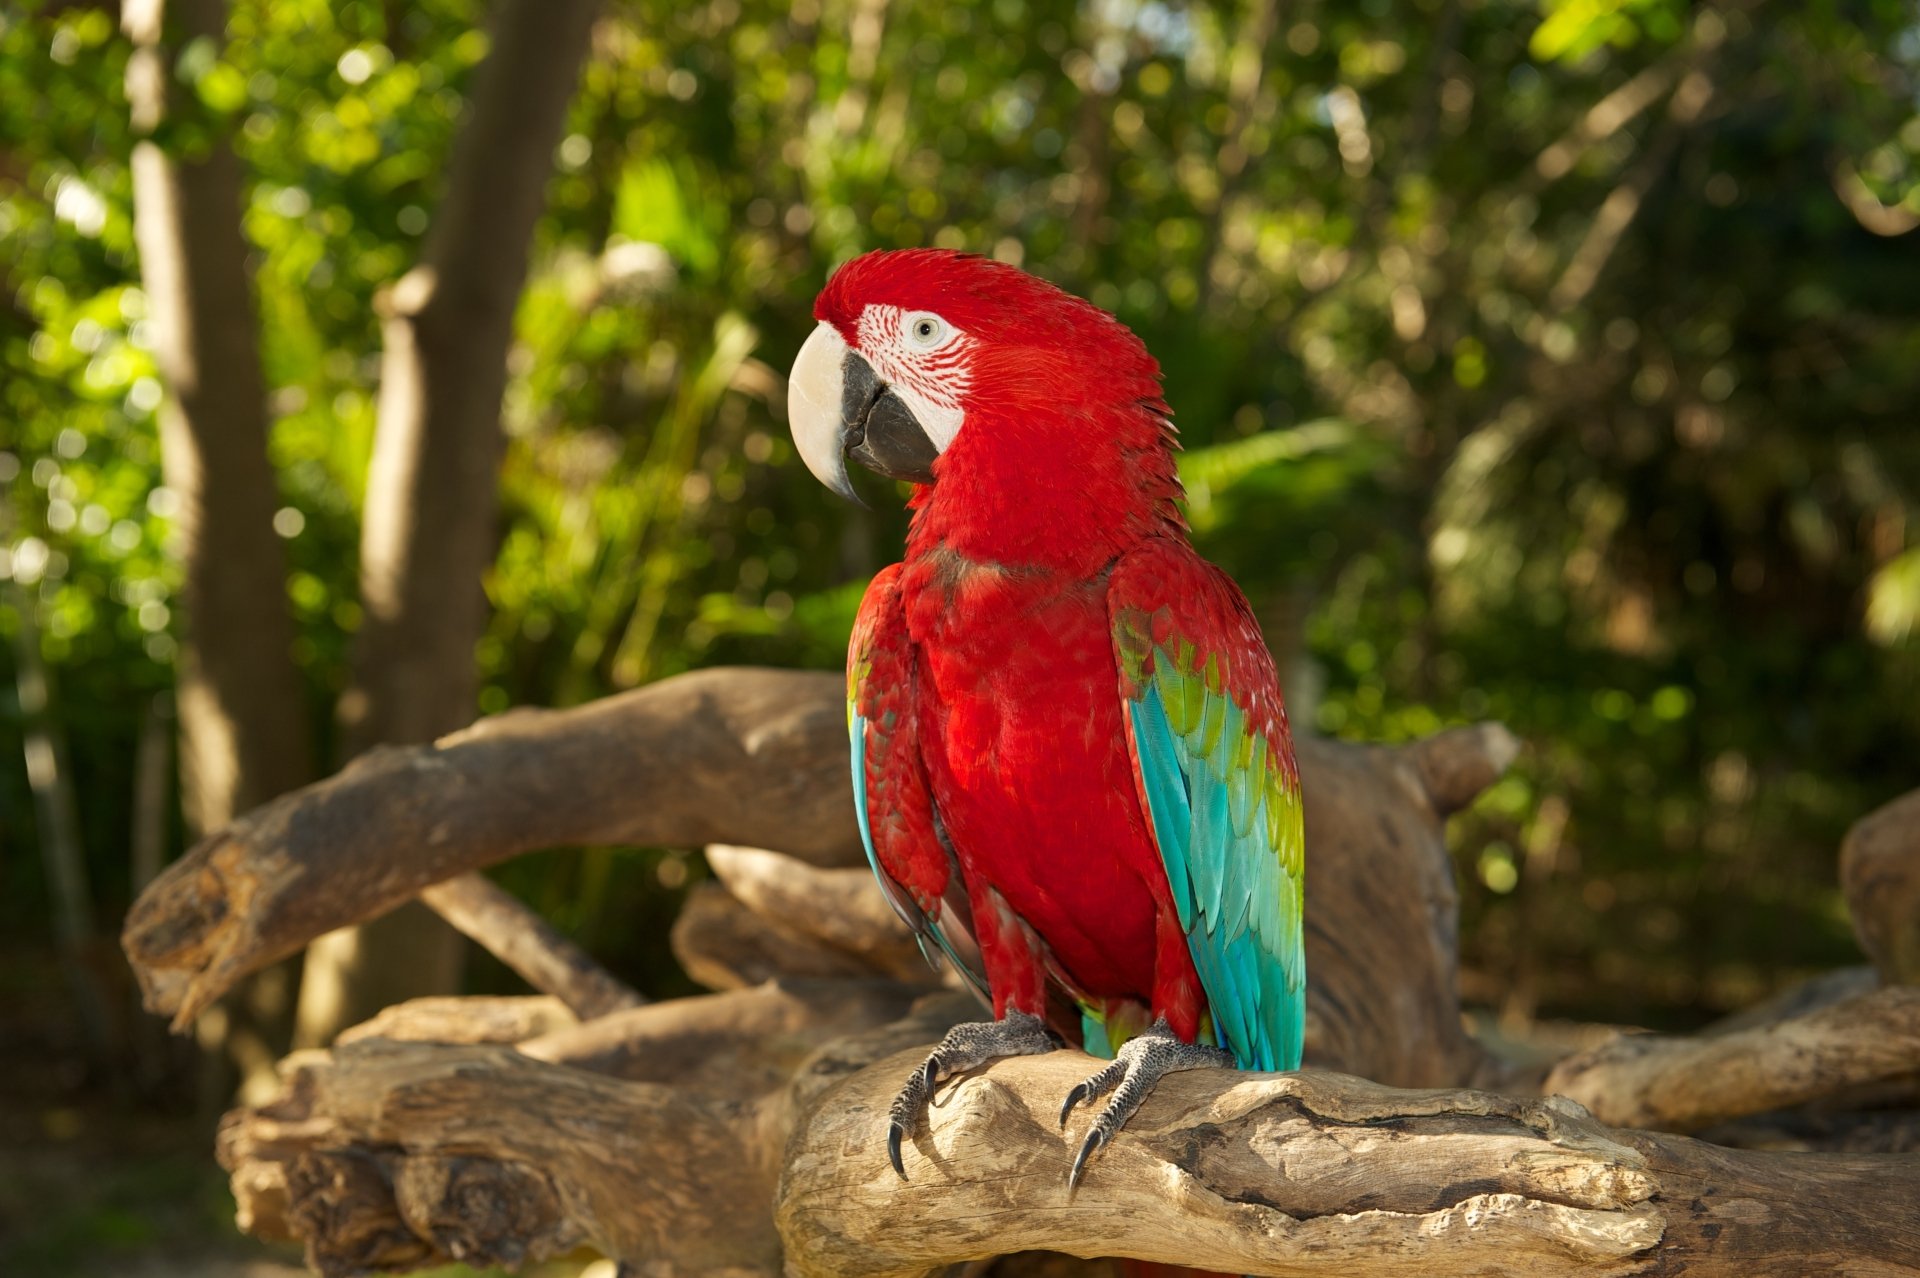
(815, 413)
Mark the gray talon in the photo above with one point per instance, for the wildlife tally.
(894, 1132)
(1074, 1097)
(963, 1048)
(1139, 1064)
(1093, 1141)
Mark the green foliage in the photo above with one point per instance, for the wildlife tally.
(1601, 426)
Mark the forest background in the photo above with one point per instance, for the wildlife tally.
(1548, 361)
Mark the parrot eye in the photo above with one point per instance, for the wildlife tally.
(926, 330)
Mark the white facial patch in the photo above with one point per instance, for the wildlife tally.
(924, 359)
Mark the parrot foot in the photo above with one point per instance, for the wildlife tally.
(965, 1047)
(1141, 1062)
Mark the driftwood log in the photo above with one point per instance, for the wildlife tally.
(740, 1132)
(743, 756)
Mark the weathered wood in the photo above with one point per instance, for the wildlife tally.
(1382, 925)
(471, 1019)
(1454, 766)
(1683, 1084)
(725, 946)
(504, 925)
(658, 1132)
(385, 1155)
(843, 908)
(758, 757)
(1880, 875)
(743, 1042)
(1316, 1174)
(747, 756)
(388, 1156)
(1810, 995)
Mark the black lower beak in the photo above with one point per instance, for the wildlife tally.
(879, 431)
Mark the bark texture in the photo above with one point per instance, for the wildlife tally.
(760, 757)
(385, 1155)
(743, 1132)
(1316, 1174)
(747, 756)
(1871, 1041)
(428, 534)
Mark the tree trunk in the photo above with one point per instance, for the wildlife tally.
(243, 719)
(428, 532)
(56, 812)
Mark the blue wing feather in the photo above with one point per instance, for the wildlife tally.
(924, 928)
(1232, 889)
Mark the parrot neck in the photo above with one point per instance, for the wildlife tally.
(1067, 495)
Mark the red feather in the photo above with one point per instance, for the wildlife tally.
(999, 649)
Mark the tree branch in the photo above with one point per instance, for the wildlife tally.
(1316, 1174)
(386, 1155)
(1683, 1084)
(395, 1155)
(749, 756)
(724, 945)
(837, 908)
(527, 943)
(759, 757)
(474, 1018)
(656, 1132)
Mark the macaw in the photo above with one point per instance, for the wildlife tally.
(1071, 765)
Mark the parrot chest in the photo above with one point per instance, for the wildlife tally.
(1021, 727)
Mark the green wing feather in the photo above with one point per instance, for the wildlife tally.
(1224, 803)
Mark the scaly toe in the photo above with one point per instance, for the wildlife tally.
(1140, 1064)
(963, 1047)
(1093, 1088)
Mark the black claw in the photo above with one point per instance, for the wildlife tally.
(894, 1134)
(1095, 1139)
(1079, 1093)
(963, 1048)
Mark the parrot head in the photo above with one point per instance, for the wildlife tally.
(965, 374)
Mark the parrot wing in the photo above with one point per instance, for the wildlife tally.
(899, 826)
(1214, 762)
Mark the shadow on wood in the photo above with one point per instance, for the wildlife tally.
(498, 1131)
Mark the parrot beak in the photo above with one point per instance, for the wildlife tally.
(837, 407)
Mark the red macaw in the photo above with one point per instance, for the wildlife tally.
(1071, 764)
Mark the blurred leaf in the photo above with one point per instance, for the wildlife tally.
(1893, 599)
